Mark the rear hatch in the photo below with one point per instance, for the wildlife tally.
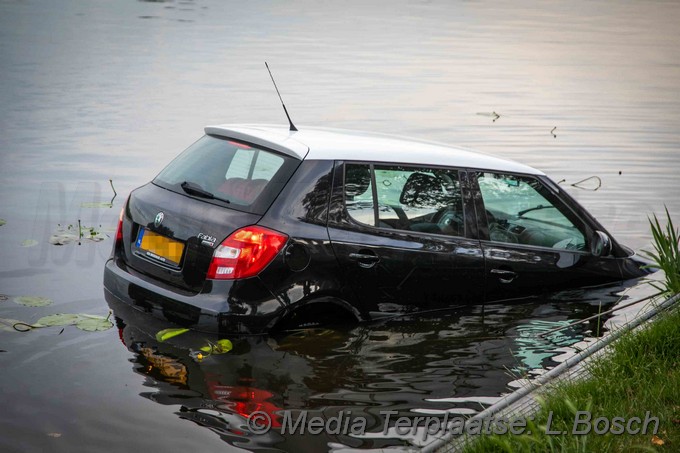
(215, 187)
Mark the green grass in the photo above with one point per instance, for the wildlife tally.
(641, 373)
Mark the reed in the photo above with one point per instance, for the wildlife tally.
(666, 254)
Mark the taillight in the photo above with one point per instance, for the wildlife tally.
(119, 230)
(245, 253)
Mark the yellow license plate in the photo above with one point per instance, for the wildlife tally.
(160, 247)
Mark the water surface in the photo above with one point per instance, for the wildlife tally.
(93, 91)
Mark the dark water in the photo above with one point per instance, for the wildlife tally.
(92, 91)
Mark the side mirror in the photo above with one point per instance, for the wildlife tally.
(601, 244)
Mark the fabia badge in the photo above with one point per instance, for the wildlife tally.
(159, 219)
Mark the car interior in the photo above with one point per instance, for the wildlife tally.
(518, 211)
(426, 202)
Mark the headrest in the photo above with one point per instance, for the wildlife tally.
(423, 190)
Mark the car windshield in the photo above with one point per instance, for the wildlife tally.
(228, 172)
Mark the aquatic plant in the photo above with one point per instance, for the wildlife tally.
(166, 334)
(666, 254)
(33, 301)
(88, 323)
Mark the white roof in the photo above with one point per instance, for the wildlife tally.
(337, 144)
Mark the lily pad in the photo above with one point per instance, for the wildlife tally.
(33, 301)
(62, 238)
(91, 323)
(221, 347)
(60, 319)
(29, 243)
(2, 222)
(166, 334)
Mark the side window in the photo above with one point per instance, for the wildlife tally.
(520, 210)
(359, 193)
(408, 198)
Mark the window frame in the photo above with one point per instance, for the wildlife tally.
(569, 212)
(461, 174)
(269, 193)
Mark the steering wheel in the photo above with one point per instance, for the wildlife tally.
(497, 232)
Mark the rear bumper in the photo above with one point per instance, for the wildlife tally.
(223, 307)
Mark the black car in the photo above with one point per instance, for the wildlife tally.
(258, 228)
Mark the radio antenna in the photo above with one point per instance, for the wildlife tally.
(292, 126)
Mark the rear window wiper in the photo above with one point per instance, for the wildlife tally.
(196, 190)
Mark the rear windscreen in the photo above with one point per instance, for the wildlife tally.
(230, 173)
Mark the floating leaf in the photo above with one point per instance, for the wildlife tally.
(90, 323)
(166, 334)
(29, 243)
(221, 347)
(33, 301)
(60, 319)
(62, 238)
(2, 222)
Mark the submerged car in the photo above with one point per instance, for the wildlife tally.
(259, 228)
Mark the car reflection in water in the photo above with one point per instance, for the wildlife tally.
(447, 362)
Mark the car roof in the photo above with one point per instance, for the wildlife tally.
(313, 143)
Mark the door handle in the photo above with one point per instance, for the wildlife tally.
(365, 259)
(504, 275)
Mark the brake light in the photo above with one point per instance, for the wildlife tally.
(245, 253)
(119, 230)
(239, 145)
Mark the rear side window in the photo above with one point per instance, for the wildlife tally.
(408, 198)
(238, 175)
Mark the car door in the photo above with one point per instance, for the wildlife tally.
(405, 236)
(533, 241)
